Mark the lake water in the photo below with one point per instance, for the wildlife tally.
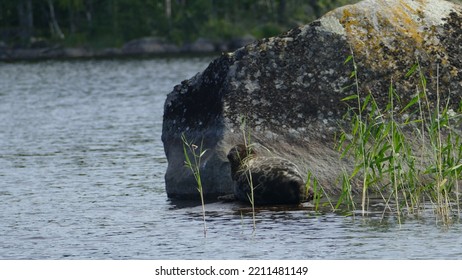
(81, 177)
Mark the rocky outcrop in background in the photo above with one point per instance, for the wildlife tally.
(284, 93)
(139, 47)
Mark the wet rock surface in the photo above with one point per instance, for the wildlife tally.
(284, 93)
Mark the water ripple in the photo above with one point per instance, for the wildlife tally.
(82, 177)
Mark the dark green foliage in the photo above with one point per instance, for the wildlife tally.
(110, 23)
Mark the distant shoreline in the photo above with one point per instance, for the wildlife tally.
(143, 47)
(22, 54)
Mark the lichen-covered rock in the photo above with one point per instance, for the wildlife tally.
(285, 93)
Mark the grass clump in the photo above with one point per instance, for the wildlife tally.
(408, 153)
(248, 143)
(193, 162)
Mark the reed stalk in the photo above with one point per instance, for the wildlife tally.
(247, 143)
(194, 165)
(381, 142)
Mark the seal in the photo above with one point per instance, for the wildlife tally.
(274, 180)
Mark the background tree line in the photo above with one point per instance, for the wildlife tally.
(110, 23)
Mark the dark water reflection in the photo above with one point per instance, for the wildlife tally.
(81, 177)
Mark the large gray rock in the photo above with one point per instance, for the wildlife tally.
(285, 92)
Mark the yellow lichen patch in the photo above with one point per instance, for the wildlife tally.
(380, 31)
(406, 22)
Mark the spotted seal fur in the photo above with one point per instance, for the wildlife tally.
(275, 180)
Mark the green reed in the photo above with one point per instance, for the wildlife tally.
(389, 147)
(197, 152)
(247, 143)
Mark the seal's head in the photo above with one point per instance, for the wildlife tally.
(236, 155)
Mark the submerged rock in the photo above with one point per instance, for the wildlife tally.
(285, 93)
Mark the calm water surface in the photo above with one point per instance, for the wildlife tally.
(81, 177)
